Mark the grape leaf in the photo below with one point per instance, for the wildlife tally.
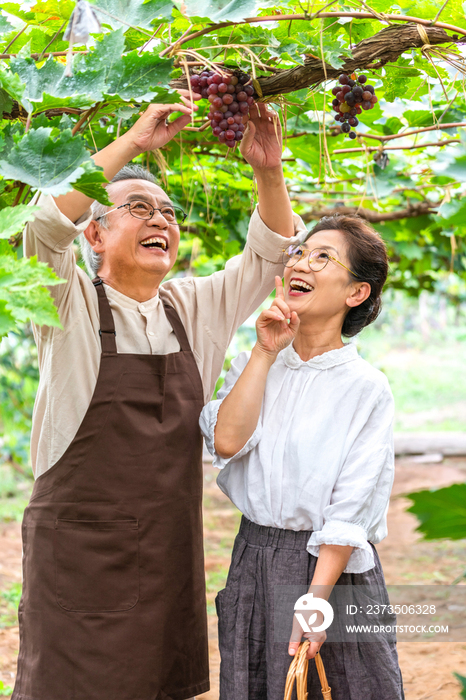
(15, 9)
(23, 291)
(56, 8)
(137, 13)
(91, 183)
(462, 680)
(142, 77)
(12, 85)
(84, 88)
(105, 53)
(45, 163)
(5, 26)
(441, 512)
(6, 103)
(225, 10)
(12, 219)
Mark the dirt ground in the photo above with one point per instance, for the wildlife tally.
(427, 667)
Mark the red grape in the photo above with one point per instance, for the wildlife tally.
(343, 79)
(230, 97)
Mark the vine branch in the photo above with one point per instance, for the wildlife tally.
(320, 14)
(384, 47)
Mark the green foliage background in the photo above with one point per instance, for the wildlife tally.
(121, 71)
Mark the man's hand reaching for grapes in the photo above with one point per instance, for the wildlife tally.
(262, 142)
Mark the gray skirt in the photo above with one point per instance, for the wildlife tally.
(253, 664)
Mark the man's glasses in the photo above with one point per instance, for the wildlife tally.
(144, 210)
(317, 258)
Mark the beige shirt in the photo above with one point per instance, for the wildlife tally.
(210, 308)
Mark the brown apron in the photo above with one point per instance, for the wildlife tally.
(113, 604)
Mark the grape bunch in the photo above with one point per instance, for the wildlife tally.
(352, 95)
(230, 99)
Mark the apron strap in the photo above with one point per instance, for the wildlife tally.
(107, 325)
(177, 326)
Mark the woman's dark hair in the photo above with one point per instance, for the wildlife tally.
(367, 257)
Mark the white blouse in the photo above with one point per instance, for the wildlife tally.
(321, 457)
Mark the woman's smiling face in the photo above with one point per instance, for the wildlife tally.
(329, 288)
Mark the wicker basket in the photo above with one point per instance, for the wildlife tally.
(298, 670)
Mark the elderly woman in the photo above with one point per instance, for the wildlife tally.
(302, 434)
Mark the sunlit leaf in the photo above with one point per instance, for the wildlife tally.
(136, 13)
(226, 10)
(23, 291)
(13, 219)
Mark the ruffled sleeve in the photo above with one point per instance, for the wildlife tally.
(359, 499)
(208, 418)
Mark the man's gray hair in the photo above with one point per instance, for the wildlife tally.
(92, 259)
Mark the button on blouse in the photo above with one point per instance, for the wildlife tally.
(321, 456)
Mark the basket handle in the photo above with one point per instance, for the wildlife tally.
(298, 670)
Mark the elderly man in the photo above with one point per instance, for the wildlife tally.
(113, 605)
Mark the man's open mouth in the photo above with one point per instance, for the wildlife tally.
(301, 287)
(155, 242)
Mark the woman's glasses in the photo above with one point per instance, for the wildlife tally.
(317, 259)
(144, 210)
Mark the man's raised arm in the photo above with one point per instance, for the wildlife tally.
(149, 132)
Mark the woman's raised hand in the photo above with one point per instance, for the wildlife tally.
(273, 330)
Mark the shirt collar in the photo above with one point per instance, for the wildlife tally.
(329, 359)
(128, 303)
